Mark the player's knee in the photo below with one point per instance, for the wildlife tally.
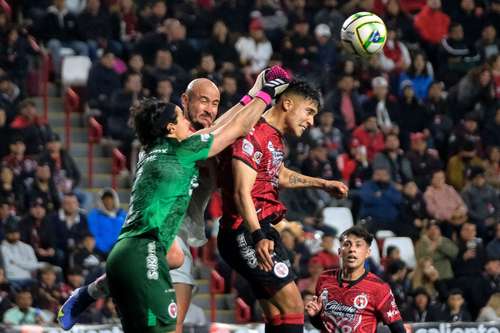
(175, 257)
(291, 301)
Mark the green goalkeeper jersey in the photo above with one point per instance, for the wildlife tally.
(166, 176)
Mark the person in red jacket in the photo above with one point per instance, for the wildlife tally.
(431, 23)
(370, 136)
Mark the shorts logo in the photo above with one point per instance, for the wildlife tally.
(246, 251)
(281, 270)
(172, 310)
(247, 147)
(360, 301)
(152, 262)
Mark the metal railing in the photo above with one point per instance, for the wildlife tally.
(217, 285)
(71, 104)
(243, 313)
(95, 136)
(118, 164)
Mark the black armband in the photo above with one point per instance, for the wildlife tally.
(258, 235)
(397, 327)
(317, 322)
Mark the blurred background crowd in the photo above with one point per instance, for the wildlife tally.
(413, 131)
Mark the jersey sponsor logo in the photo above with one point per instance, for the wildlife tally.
(455, 328)
(361, 301)
(257, 157)
(246, 251)
(152, 262)
(281, 270)
(204, 137)
(392, 313)
(172, 310)
(247, 147)
(345, 318)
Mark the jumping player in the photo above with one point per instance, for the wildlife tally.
(350, 299)
(247, 241)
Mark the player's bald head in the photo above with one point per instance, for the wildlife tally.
(201, 102)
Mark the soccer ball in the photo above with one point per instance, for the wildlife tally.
(363, 34)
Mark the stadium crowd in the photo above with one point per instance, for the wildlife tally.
(413, 131)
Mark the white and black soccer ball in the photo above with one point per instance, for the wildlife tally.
(363, 34)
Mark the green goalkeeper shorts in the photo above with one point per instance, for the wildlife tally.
(139, 282)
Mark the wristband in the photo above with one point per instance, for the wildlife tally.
(265, 97)
(257, 236)
(245, 100)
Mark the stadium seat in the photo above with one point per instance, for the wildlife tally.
(383, 234)
(339, 218)
(75, 71)
(405, 246)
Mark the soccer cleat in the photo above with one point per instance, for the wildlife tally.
(74, 306)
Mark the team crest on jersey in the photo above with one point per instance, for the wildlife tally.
(247, 147)
(257, 157)
(172, 310)
(281, 270)
(361, 301)
(205, 137)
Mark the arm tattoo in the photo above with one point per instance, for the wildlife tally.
(294, 180)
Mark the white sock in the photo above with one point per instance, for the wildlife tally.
(99, 288)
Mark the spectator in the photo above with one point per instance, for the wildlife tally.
(206, 68)
(494, 62)
(455, 55)
(326, 55)
(164, 90)
(491, 135)
(439, 122)
(62, 165)
(460, 165)
(42, 186)
(395, 57)
(14, 52)
(47, 295)
(108, 314)
(229, 92)
(38, 231)
(330, 15)
(255, 50)
(165, 68)
(383, 106)
(414, 213)
(455, 310)
(328, 135)
(420, 73)
(11, 190)
(423, 161)
(327, 256)
(492, 166)
(106, 220)
(23, 313)
(380, 202)
(23, 166)
(345, 104)
(421, 309)
(493, 247)
(485, 285)
(18, 257)
(221, 46)
(426, 276)
(396, 277)
(396, 16)
(431, 23)
(32, 127)
(315, 268)
(5, 216)
(444, 203)
(413, 115)
(135, 63)
(393, 160)
(354, 165)
(491, 311)
(10, 94)
(96, 29)
(59, 30)
(70, 223)
(469, 15)
(299, 48)
(471, 254)
(483, 203)
(87, 258)
(432, 244)
(369, 135)
(74, 280)
(155, 17)
(6, 293)
(102, 82)
(487, 46)
(182, 51)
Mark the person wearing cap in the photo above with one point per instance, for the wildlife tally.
(420, 73)
(326, 55)
(38, 231)
(254, 50)
(383, 106)
(106, 220)
(380, 202)
(18, 257)
(422, 160)
(459, 165)
(482, 201)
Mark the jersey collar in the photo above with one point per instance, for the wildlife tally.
(350, 283)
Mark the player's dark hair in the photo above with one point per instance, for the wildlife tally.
(149, 118)
(303, 89)
(358, 232)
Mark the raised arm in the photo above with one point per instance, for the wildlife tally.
(244, 178)
(291, 179)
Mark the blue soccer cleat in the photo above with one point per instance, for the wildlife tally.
(74, 306)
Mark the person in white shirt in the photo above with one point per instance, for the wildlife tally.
(255, 50)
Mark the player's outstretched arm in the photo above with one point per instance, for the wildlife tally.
(244, 120)
(244, 179)
(291, 179)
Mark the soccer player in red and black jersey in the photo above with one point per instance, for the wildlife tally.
(251, 175)
(351, 299)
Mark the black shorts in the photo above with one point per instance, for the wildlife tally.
(237, 249)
